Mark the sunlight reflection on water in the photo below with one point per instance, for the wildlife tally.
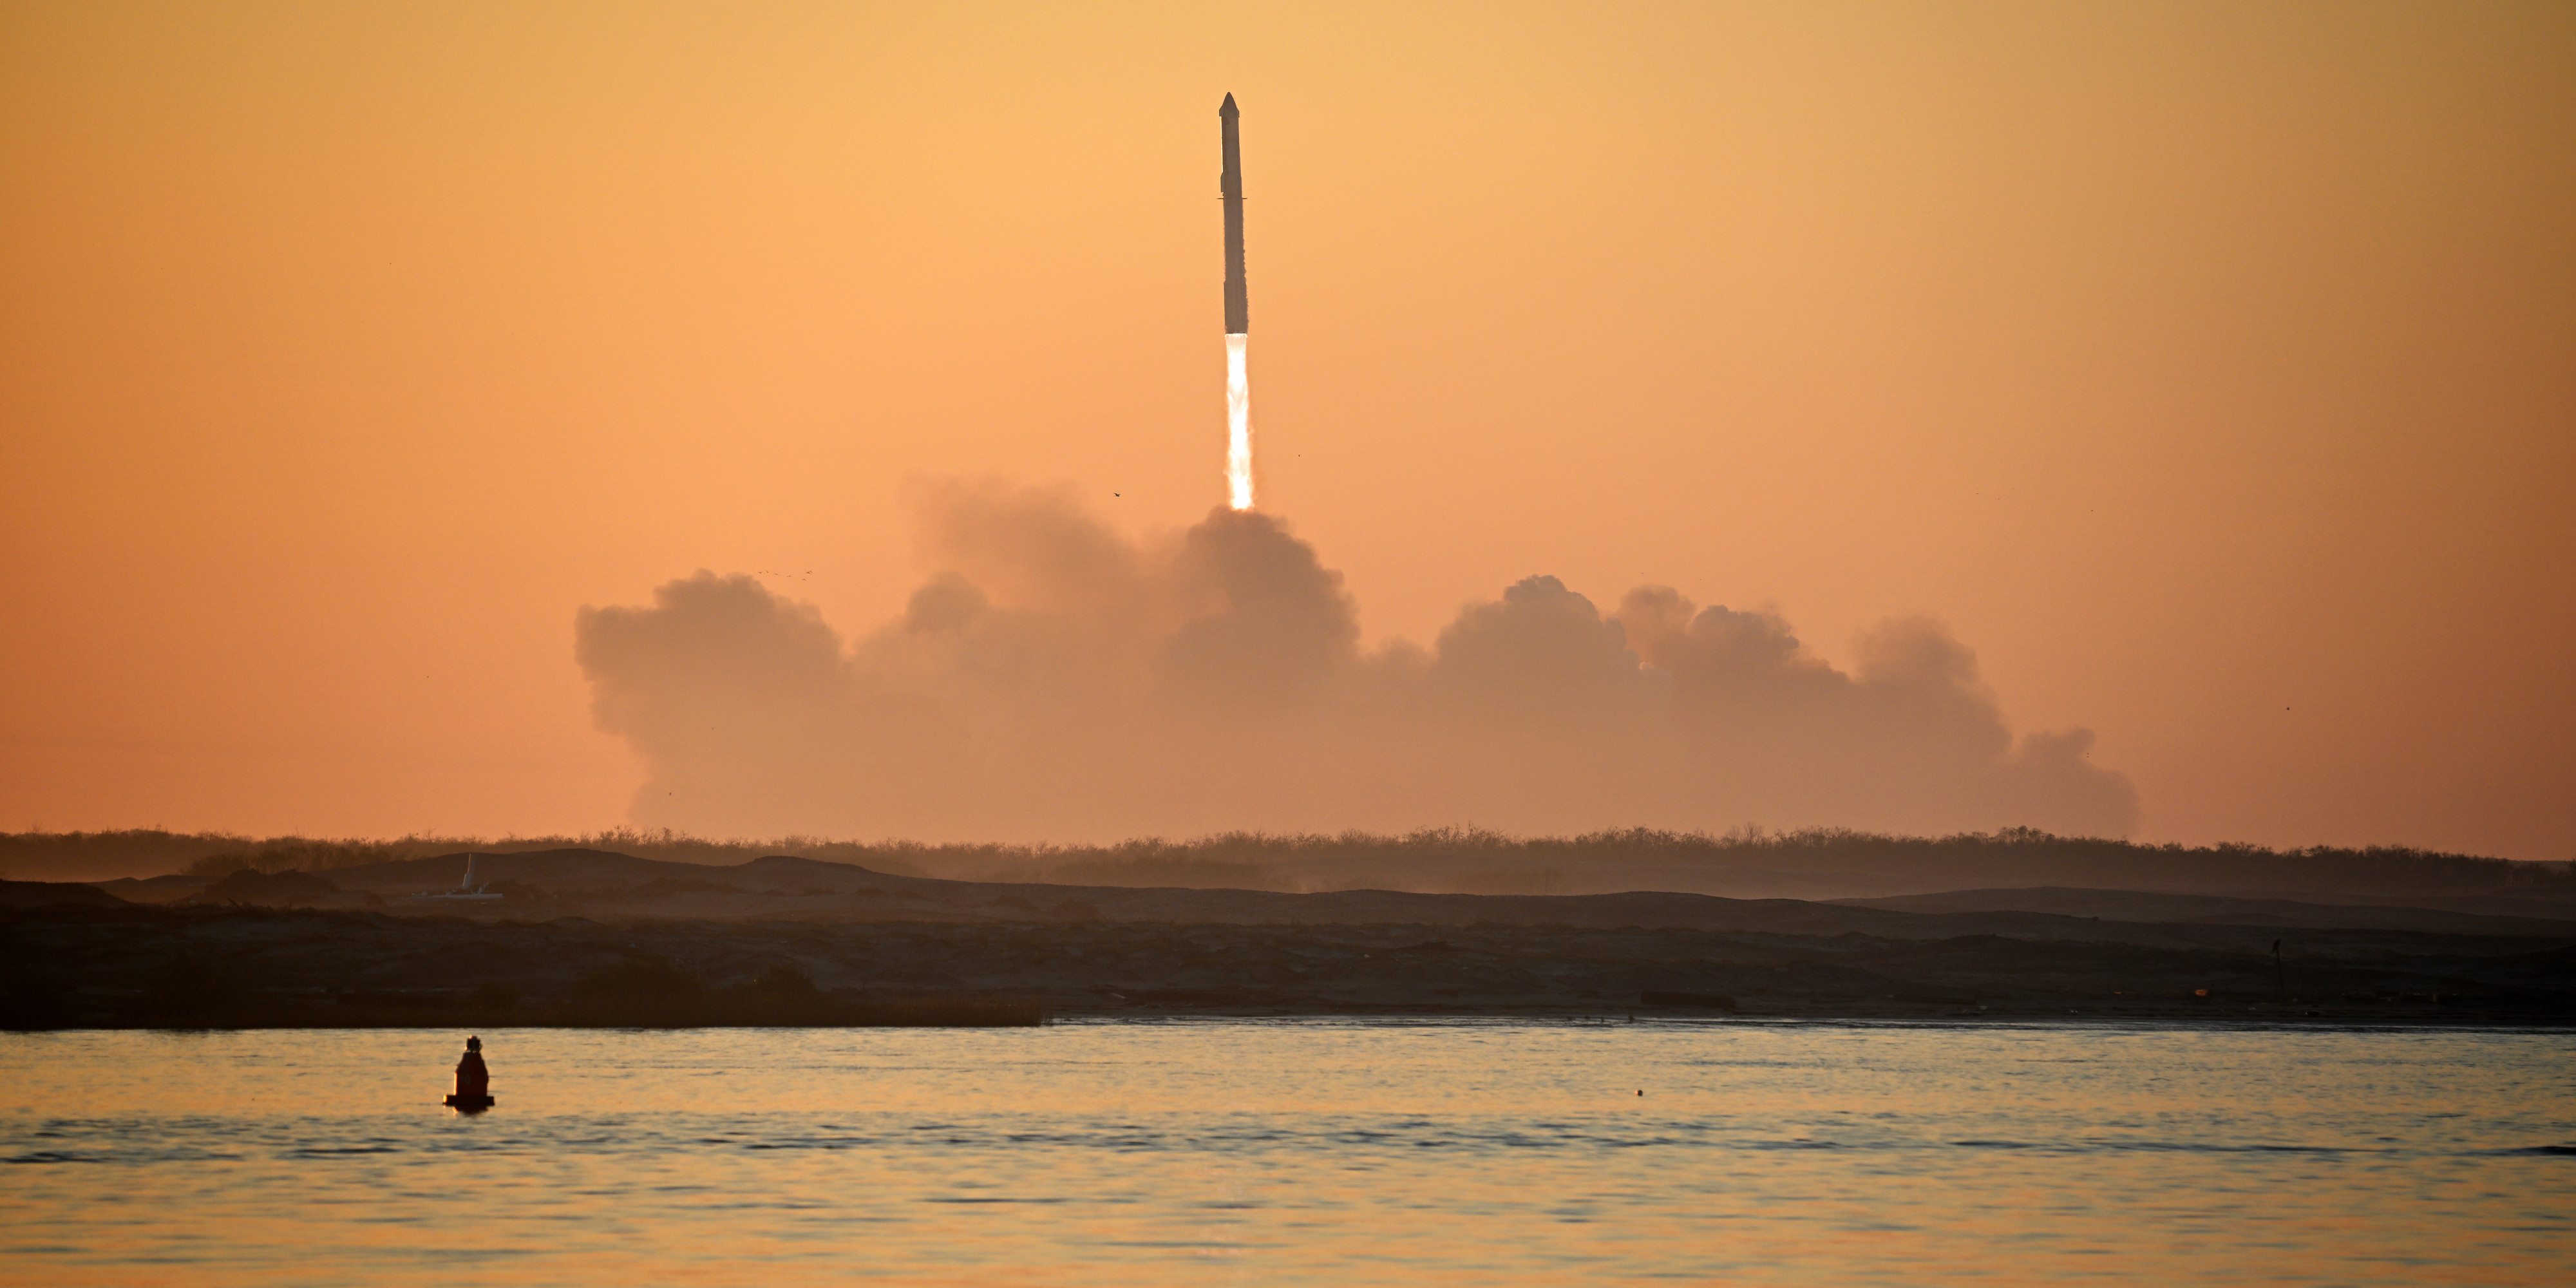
(1320, 1151)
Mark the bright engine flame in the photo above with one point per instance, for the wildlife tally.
(1238, 426)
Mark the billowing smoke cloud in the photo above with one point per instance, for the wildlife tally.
(1058, 681)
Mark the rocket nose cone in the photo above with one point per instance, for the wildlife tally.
(1228, 109)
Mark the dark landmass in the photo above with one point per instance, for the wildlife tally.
(42, 894)
(1818, 864)
(609, 886)
(251, 887)
(585, 936)
(2525, 915)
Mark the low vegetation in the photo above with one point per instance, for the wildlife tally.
(1463, 858)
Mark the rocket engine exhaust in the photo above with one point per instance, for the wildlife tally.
(1238, 319)
(1238, 427)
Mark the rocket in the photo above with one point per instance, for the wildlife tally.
(1230, 186)
(1238, 385)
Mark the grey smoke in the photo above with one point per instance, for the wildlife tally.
(1058, 681)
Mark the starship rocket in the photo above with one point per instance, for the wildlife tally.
(1230, 185)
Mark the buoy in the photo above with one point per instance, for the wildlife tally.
(473, 1092)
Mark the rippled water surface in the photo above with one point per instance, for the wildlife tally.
(1295, 1152)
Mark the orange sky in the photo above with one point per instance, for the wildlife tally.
(2206, 368)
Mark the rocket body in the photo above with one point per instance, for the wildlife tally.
(1238, 319)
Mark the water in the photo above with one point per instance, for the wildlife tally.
(1321, 1152)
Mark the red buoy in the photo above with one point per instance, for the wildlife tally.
(473, 1092)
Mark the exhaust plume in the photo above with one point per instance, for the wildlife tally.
(1057, 681)
(1238, 426)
